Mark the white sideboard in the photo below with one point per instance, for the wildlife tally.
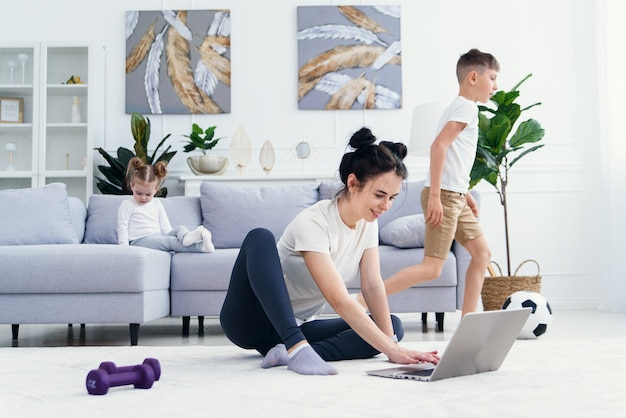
(191, 183)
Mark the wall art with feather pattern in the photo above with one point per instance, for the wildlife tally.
(349, 57)
(178, 61)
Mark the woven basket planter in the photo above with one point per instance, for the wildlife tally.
(497, 288)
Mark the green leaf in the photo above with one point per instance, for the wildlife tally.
(495, 136)
(529, 131)
(140, 128)
(529, 150)
(208, 134)
(515, 87)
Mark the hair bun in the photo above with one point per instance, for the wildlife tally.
(398, 149)
(362, 139)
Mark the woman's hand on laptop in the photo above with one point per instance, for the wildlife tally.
(402, 355)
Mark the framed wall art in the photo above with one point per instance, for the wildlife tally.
(349, 57)
(178, 62)
(11, 110)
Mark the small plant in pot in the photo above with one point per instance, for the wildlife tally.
(205, 141)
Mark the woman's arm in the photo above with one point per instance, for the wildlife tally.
(373, 290)
(336, 294)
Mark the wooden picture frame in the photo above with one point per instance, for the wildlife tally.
(11, 110)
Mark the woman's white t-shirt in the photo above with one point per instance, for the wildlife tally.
(462, 151)
(319, 228)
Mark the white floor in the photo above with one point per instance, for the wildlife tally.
(168, 331)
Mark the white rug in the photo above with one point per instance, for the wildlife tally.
(539, 378)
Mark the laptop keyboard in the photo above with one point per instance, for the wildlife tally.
(422, 372)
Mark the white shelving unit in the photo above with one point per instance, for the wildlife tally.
(49, 147)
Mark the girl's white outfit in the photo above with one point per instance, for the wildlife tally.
(147, 225)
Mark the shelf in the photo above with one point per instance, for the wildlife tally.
(65, 173)
(15, 174)
(19, 90)
(67, 126)
(16, 127)
(67, 89)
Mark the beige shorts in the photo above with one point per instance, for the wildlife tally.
(459, 223)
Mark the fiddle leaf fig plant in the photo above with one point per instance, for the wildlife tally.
(115, 173)
(502, 143)
(201, 139)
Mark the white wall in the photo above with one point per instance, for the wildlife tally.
(552, 192)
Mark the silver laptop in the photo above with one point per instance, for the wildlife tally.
(479, 344)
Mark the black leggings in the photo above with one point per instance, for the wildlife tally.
(257, 313)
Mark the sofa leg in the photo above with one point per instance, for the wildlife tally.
(201, 326)
(15, 329)
(186, 320)
(424, 321)
(439, 316)
(134, 334)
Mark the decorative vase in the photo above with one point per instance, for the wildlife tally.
(207, 164)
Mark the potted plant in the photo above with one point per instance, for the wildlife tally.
(500, 146)
(205, 141)
(115, 173)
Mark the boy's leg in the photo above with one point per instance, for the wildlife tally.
(470, 235)
(437, 243)
(408, 277)
(481, 254)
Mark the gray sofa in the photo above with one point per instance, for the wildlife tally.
(60, 262)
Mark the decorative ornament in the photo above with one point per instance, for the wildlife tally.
(267, 157)
(10, 146)
(76, 117)
(23, 58)
(12, 65)
(240, 149)
(303, 150)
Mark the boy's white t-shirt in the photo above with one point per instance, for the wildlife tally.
(462, 151)
(319, 228)
(137, 221)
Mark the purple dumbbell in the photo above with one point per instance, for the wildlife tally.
(111, 368)
(99, 381)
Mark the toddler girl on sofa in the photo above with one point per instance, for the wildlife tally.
(142, 220)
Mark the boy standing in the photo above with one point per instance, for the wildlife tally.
(449, 210)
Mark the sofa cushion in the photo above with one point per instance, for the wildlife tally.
(406, 203)
(78, 212)
(404, 232)
(183, 210)
(102, 219)
(36, 216)
(230, 212)
(328, 189)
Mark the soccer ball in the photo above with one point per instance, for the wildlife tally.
(540, 317)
